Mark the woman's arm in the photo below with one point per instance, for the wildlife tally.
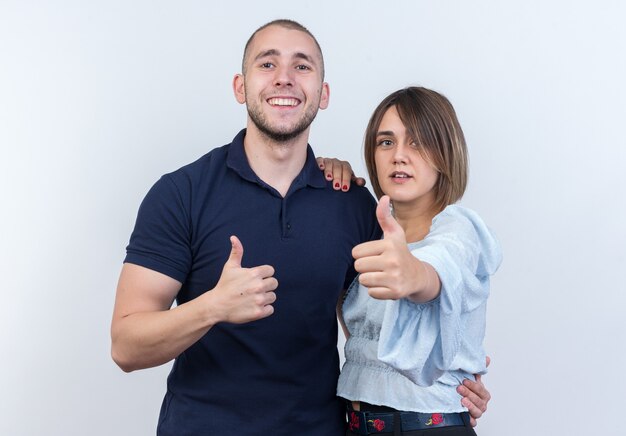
(387, 267)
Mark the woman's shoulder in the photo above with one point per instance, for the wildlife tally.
(459, 217)
(464, 224)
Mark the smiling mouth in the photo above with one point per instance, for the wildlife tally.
(280, 101)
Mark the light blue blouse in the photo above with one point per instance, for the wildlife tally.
(412, 356)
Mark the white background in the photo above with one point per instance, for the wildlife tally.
(99, 98)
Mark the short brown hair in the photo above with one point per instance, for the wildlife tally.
(288, 24)
(431, 121)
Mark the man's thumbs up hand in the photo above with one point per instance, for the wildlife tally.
(243, 294)
(236, 253)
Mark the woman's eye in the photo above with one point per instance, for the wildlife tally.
(385, 143)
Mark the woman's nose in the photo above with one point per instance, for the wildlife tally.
(399, 154)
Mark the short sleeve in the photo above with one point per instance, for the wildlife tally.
(423, 340)
(161, 238)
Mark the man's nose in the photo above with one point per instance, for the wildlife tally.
(284, 77)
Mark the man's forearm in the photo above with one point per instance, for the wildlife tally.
(148, 339)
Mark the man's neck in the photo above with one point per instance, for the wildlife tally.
(276, 163)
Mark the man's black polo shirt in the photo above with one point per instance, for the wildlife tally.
(278, 375)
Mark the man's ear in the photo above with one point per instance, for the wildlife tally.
(239, 88)
(325, 97)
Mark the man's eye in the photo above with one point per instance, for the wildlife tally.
(385, 143)
(303, 67)
(267, 65)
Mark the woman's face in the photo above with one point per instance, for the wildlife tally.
(402, 172)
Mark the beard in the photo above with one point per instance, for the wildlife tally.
(280, 133)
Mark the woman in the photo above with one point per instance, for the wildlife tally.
(415, 319)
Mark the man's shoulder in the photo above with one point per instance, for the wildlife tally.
(355, 196)
(215, 157)
(354, 209)
(190, 178)
(212, 164)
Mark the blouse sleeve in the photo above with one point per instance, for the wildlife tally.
(422, 341)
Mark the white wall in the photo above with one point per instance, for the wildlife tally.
(99, 98)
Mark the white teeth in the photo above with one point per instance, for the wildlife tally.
(283, 101)
(401, 176)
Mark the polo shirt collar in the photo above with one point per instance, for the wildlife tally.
(310, 174)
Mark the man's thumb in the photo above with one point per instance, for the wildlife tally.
(236, 252)
(388, 223)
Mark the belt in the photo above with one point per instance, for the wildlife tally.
(366, 423)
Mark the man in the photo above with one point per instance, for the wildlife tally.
(256, 354)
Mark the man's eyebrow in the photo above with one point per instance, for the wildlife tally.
(266, 53)
(306, 57)
(385, 133)
(274, 52)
